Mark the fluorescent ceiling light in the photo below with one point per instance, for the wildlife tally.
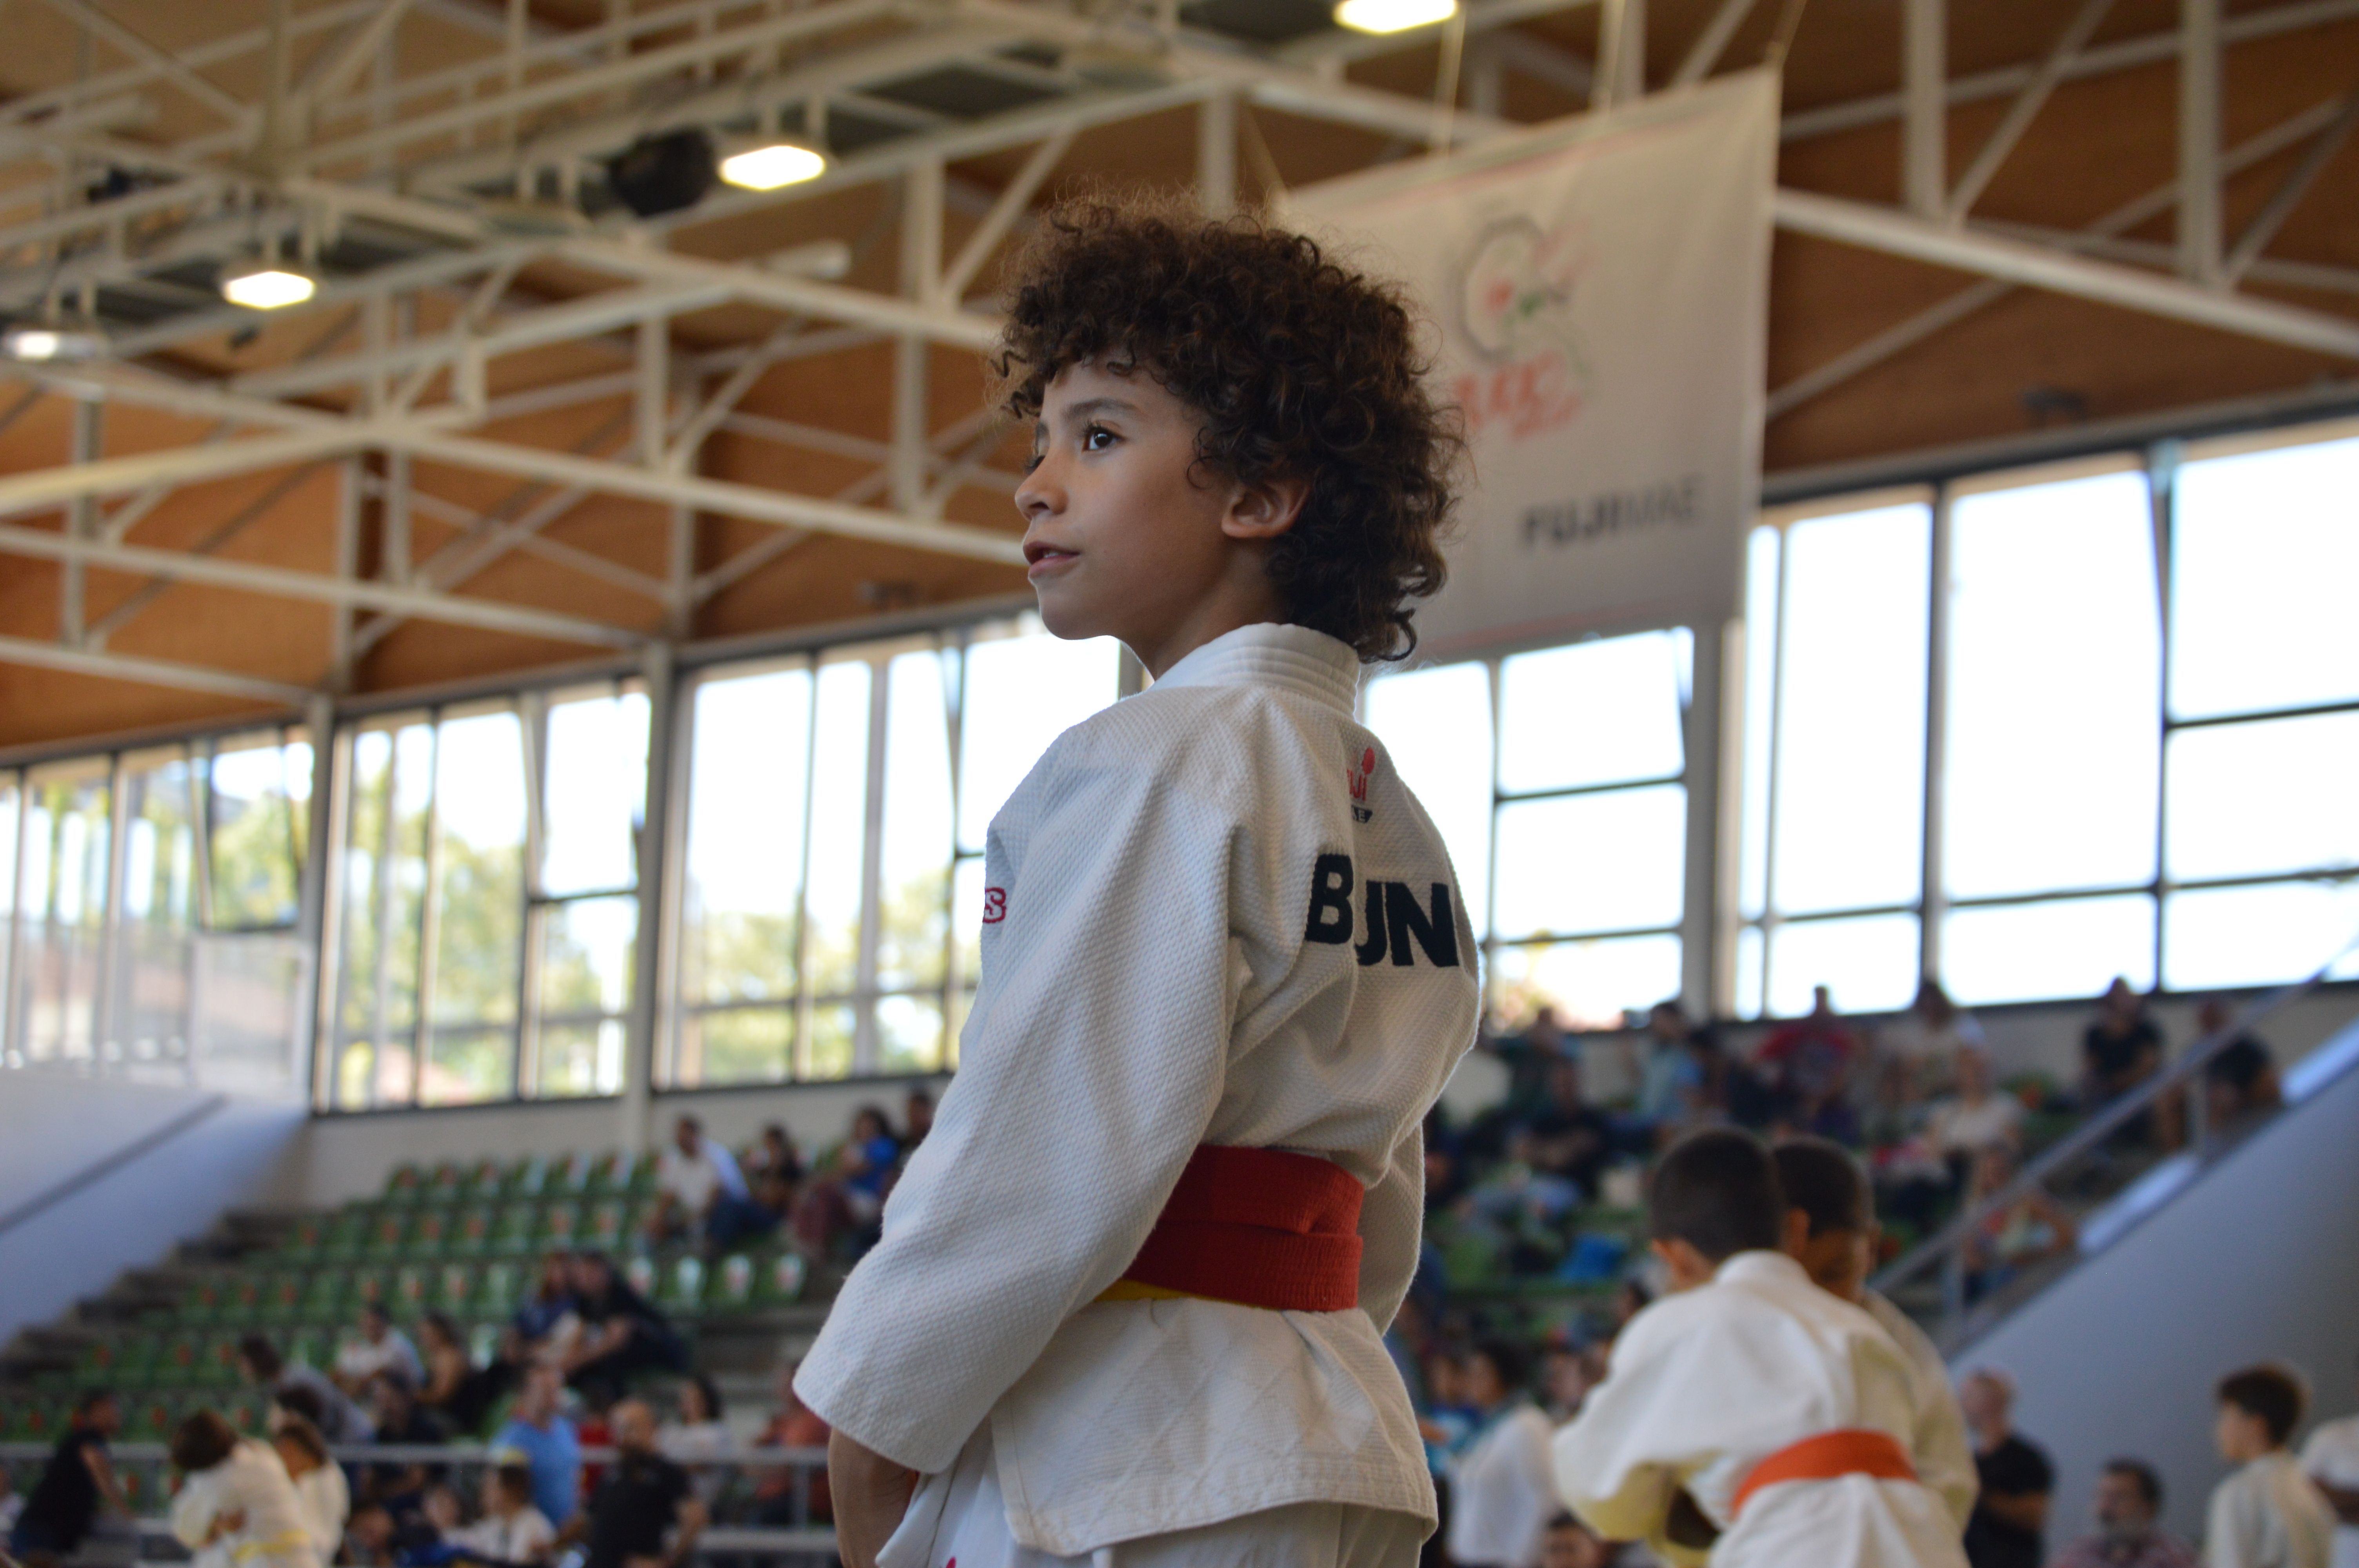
(772, 166)
(1393, 15)
(41, 345)
(267, 287)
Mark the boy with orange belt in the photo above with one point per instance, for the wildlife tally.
(1750, 1420)
(1129, 1299)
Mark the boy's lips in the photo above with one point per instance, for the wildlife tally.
(1042, 558)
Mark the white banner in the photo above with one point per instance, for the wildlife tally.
(1601, 285)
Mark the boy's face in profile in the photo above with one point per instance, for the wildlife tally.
(1125, 537)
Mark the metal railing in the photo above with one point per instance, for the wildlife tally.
(1948, 1249)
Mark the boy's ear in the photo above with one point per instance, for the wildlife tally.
(1796, 1238)
(1266, 509)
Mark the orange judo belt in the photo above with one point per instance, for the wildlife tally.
(1259, 1228)
(1852, 1451)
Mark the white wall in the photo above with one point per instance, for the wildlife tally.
(2255, 1262)
(53, 1128)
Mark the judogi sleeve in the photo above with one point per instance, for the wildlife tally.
(1392, 1221)
(2231, 1533)
(193, 1508)
(1089, 1075)
(1617, 1465)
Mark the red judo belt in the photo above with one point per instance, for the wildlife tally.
(1260, 1228)
(1853, 1451)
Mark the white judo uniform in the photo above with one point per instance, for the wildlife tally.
(1944, 1455)
(1214, 916)
(275, 1532)
(1705, 1384)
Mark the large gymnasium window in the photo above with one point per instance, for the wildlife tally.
(1996, 736)
(1556, 778)
(148, 904)
(838, 802)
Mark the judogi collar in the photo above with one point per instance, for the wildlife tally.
(1297, 658)
(1760, 1264)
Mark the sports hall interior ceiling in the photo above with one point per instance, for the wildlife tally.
(518, 426)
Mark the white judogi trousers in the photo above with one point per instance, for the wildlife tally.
(959, 1519)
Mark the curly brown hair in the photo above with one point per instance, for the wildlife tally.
(1299, 367)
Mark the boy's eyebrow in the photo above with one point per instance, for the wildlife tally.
(1102, 405)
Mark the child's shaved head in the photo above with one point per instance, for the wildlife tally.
(1825, 1182)
(1718, 1192)
(1297, 367)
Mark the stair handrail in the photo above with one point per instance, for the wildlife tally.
(1947, 1246)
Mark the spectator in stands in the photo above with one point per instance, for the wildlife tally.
(621, 1333)
(644, 1512)
(792, 1425)
(76, 1484)
(1571, 1139)
(2007, 1240)
(1928, 1038)
(12, 1503)
(693, 1173)
(544, 1439)
(543, 1325)
(1978, 1115)
(1572, 1544)
(321, 1490)
(2120, 1051)
(376, 1346)
(320, 1402)
(235, 1493)
(395, 1411)
(917, 1120)
(2129, 1504)
(1808, 1065)
(697, 1430)
(1664, 1069)
(2009, 1525)
(2266, 1514)
(1528, 1055)
(774, 1156)
(2331, 1458)
(512, 1528)
(847, 1200)
(457, 1392)
(2241, 1080)
(1501, 1479)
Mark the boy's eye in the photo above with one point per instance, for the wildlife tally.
(1096, 439)
(1033, 460)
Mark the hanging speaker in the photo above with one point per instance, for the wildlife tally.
(663, 173)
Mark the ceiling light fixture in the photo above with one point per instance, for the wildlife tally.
(770, 164)
(268, 285)
(1393, 15)
(664, 173)
(51, 344)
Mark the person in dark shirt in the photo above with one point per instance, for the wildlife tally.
(2242, 1079)
(2009, 1526)
(1569, 1137)
(77, 1482)
(2122, 1049)
(1808, 1065)
(643, 1499)
(621, 1333)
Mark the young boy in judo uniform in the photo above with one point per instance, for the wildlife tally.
(1750, 1420)
(1128, 1301)
(1830, 1231)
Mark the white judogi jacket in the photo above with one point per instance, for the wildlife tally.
(1944, 1456)
(252, 1481)
(1706, 1384)
(1215, 914)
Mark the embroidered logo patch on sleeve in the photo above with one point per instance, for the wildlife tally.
(994, 905)
(1360, 777)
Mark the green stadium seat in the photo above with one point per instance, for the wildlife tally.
(388, 1233)
(642, 1275)
(778, 1280)
(348, 1232)
(731, 1287)
(369, 1285)
(453, 1290)
(612, 1223)
(282, 1298)
(473, 1230)
(36, 1418)
(607, 1172)
(412, 1284)
(447, 1185)
(246, 1293)
(559, 1227)
(324, 1295)
(515, 1228)
(480, 1180)
(483, 1343)
(641, 1179)
(207, 1301)
(308, 1237)
(151, 1418)
(180, 1362)
(217, 1361)
(249, 1413)
(405, 1185)
(313, 1348)
(680, 1291)
(499, 1288)
(433, 1234)
(118, 1360)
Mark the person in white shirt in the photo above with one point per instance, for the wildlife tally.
(319, 1486)
(1928, 1038)
(1830, 1230)
(693, 1173)
(699, 1431)
(512, 1531)
(1750, 1418)
(1131, 1292)
(234, 1495)
(378, 1346)
(1502, 1491)
(2266, 1514)
(1979, 1116)
(2331, 1459)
